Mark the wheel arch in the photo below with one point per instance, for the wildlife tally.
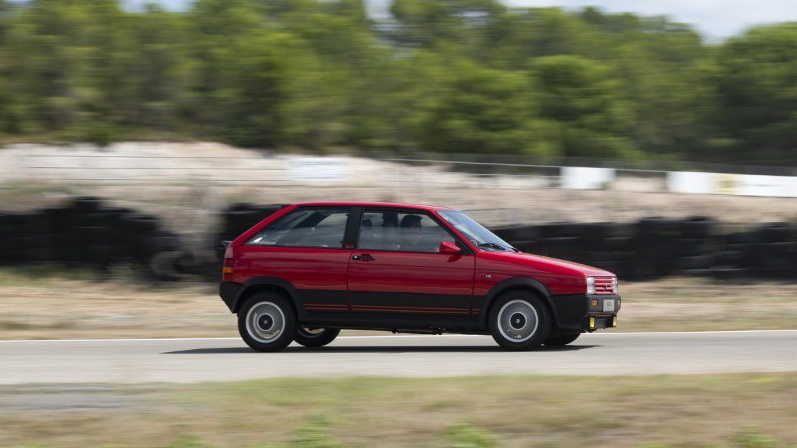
(519, 283)
(266, 284)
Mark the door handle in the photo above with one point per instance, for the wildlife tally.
(363, 257)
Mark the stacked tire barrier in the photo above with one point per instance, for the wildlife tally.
(769, 252)
(85, 232)
(649, 249)
(237, 219)
(658, 247)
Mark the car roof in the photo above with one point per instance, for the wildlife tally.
(371, 204)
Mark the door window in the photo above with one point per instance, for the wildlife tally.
(305, 227)
(401, 231)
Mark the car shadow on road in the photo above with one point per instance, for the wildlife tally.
(376, 349)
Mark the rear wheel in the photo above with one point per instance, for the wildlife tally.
(315, 337)
(519, 320)
(561, 340)
(267, 322)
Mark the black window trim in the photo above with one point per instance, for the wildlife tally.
(466, 250)
(346, 232)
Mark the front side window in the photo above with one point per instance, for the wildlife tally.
(401, 231)
(306, 227)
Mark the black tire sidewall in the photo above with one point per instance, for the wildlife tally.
(288, 332)
(543, 316)
(319, 340)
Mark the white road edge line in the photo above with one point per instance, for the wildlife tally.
(399, 336)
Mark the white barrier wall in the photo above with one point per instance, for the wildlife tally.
(734, 184)
(689, 182)
(318, 169)
(583, 178)
(777, 186)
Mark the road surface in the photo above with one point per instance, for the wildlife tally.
(195, 360)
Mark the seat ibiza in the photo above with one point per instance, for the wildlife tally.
(312, 269)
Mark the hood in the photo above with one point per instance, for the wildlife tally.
(548, 264)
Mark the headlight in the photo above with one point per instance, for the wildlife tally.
(615, 286)
(590, 285)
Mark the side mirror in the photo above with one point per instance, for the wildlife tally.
(449, 248)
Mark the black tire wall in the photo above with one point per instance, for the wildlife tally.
(90, 233)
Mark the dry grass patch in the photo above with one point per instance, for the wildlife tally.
(74, 304)
(539, 411)
(66, 304)
(696, 304)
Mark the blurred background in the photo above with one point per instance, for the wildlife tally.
(655, 139)
(192, 118)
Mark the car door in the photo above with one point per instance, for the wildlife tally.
(397, 269)
(305, 250)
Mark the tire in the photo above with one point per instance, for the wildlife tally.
(561, 340)
(696, 262)
(776, 232)
(267, 322)
(519, 321)
(315, 337)
(86, 204)
(697, 227)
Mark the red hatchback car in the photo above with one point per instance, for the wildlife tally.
(312, 269)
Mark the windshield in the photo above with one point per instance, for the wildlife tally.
(475, 232)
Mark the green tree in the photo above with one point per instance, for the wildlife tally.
(216, 26)
(480, 111)
(253, 88)
(584, 111)
(757, 90)
(444, 75)
(516, 38)
(665, 78)
(160, 70)
(69, 65)
(5, 94)
(423, 23)
(330, 94)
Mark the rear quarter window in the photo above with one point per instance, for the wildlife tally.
(309, 227)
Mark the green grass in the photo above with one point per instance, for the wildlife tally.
(736, 411)
(32, 274)
(28, 187)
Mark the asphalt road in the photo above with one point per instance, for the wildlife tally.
(194, 360)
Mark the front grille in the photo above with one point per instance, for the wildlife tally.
(604, 285)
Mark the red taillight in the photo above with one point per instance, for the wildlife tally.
(228, 266)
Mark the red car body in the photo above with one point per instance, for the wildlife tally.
(448, 289)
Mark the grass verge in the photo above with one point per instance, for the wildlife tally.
(745, 411)
(52, 303)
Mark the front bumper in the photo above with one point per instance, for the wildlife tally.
(586, 312)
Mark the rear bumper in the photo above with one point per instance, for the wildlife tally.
(229, 293)
(582, 312)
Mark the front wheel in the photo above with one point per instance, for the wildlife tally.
(267, 322)
(519, 321)
(315, 337)
(561, 340)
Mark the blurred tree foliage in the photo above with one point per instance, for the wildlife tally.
(455, 76)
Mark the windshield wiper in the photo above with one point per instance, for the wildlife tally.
(496, 246)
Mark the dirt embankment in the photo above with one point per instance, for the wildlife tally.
(63, 308)
(185, 182)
